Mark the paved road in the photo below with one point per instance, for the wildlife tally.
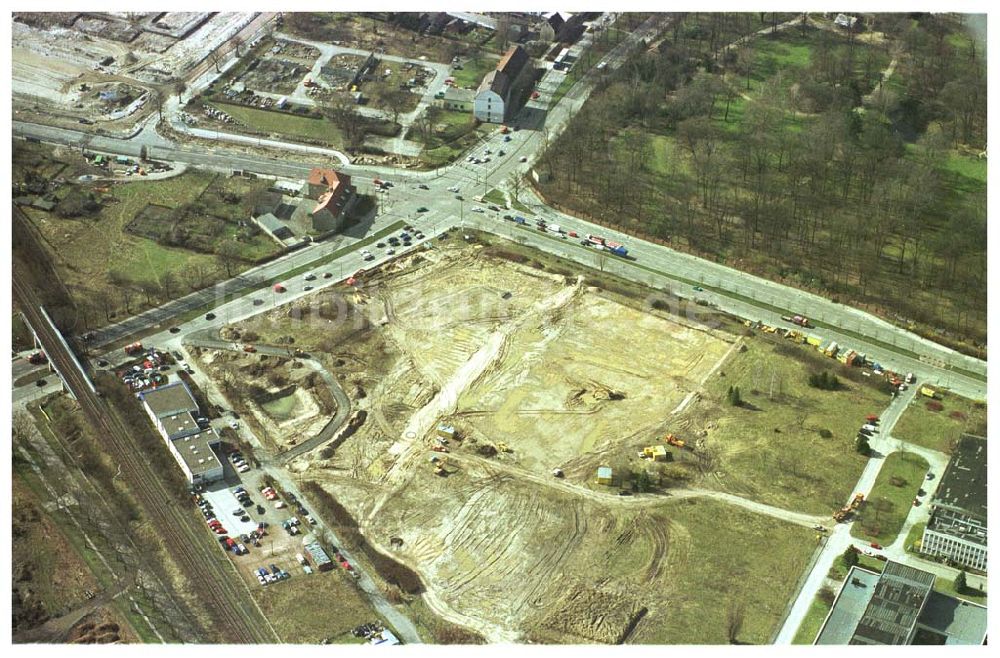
(883, 445)
(729, 289)
(210, 338)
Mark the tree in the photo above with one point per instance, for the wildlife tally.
(228, 254)
(237, 42)
(961, 582)
(849, 557)
(862, 446)
(179, 87)
(643, 482)
(733, 396)
(158, 104)
(215, 57)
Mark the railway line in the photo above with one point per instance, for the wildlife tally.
(236, 616)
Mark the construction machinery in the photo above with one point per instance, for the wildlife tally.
(858, 499)
(928, 392)
(502, 447)
(841, 515)
(674, 441)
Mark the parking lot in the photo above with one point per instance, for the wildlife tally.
(276, 549)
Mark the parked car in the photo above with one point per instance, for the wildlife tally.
(421, 209)
(210, 316)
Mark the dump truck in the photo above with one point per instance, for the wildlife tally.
(858, 499)
(928, 392)
(841, 515)
(133, 348)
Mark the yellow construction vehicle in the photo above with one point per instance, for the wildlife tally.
(674, 441)
(858, 499)
(502, 447)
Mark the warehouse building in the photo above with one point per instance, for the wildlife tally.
(957, 527)
(173, 411)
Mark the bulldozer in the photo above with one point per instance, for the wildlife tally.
(674, 441)
(502, 447)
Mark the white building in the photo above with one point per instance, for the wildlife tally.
(957, 527)
(500, 87)
(172, 409)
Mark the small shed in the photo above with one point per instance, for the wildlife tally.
(445, 431)
(604, 475)
(656, 453)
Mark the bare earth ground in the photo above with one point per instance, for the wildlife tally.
(560, 372)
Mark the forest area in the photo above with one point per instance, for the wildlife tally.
(848, 162)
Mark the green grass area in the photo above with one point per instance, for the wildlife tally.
(21, 338)
(283, 124)
(771, 448)
(969, 167)
(496, 197)
(813, 621)
(307, 609)
(913, 537)
(947, 586)
(452, 134)
(473, 70)
(939, 430)
(883, 514)
(763, 559)
(839, 570)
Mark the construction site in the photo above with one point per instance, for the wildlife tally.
(102, 65)
(490, 392)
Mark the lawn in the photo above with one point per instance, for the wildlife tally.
(473, 70)
(813, 621)
(914, 536)
(284, 124)
(770, 448)
(496, 197)
(883, 514)
(939, 430)
(735, 559)
(21, 338)
(308, 609)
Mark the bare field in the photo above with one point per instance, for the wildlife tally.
(548, 366)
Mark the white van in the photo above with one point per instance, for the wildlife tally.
(869, 427)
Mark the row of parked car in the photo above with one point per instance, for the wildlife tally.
(238, 462)
(265, 577)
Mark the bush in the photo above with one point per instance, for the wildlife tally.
(826, 434)
(934, 405)
(897, 481)
(862, 446)
(957, 415)
(850, 557)
(825, 381)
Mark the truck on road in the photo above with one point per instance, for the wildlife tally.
(614, 247)
(800, 320)
(133, 348)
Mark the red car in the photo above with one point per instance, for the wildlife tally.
(876, 546)
(535, 95)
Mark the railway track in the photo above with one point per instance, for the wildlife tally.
(238, 620)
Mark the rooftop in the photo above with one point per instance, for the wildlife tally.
(197, 453)
(894, 607)
(179, 424)
(849, 606)
(320, 176)
(963, 485)
(169, 400)
(947, 620)
(513, 61)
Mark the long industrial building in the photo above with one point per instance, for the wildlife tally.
(172, 409)
(957, 527)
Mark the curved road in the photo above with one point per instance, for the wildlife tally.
(210, 338)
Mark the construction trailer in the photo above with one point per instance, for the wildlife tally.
(319, 556)
(445, 431)
(657, 453)
(604, 475)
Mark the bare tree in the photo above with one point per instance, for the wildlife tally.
(179, 87)
(228, 254)
(215, 57)
(237, 42)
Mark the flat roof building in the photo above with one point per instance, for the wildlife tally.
(897, 607)
(172, 409)
(957, 527)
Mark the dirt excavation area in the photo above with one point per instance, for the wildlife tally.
(283, 399)
(71, 61)
(479, 375)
